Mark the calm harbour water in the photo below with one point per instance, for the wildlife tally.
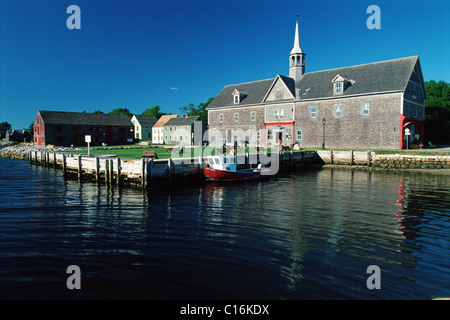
(310, 235)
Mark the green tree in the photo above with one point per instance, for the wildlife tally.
(98, 111)
(4, 126)
(31, 130)
(199, 110)
(155, 111)
(124, 111)
(437, 112)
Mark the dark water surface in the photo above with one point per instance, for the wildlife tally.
(311, 235)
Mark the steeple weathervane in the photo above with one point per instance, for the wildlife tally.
(296, 48)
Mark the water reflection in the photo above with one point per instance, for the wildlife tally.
(311, 235)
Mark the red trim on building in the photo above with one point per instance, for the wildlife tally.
(406, 123)
(276, 124)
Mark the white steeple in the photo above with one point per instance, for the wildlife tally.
(296, 58)
(296, 48)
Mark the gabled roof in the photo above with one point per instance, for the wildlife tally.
(82, 118)
(256, 91)
(384, 76)
(146, 121)
(163, 119)
(183, 121)
(377, 77)
(288, 82)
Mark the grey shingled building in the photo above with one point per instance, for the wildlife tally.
(362, 106)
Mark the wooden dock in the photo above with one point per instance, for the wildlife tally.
(148, 173)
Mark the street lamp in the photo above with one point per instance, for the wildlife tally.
(323, 133)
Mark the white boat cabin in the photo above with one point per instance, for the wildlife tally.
(224, 163)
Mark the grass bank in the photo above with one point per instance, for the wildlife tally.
(135, 151)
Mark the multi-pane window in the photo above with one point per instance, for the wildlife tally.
(313, 115)
(299, 135)
(366, 109)
(279, 114)
(338, 111)
(338, 88)
(220, 117)
(236, 117)
(253, 116)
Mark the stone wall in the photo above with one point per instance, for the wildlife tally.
(411, 162)
(371, 159)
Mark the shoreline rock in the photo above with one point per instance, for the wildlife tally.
(19, 151)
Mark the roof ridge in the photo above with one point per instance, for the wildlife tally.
(364, 64)
(236, 84)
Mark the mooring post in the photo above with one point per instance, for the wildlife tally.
(143, 173)
(351, 157)
(111, 171)
(331, 156)
(64, 163)
(97, 169)
(149, 169)
(79, 167)
(106, 171)
(31, 157)
(368, 158)
(54, 160)
(119, 169)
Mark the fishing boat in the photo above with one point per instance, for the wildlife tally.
(225, 168)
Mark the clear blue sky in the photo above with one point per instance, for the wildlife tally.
(138, 54)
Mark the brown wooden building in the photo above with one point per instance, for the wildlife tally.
(70, 128)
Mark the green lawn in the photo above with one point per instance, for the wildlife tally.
(165, 153)
(161, 152)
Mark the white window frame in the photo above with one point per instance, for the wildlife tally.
(221, 118)
(236, 99)
(366, 109)
(338, 111)
(253, 116)
(236, 117)
(339, 87)
(313, 113)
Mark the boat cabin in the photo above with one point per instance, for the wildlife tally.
(224, 163)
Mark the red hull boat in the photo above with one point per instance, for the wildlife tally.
(224, 168)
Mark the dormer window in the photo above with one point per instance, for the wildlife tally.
(338, 87)
(239, 95)
(340, 84)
